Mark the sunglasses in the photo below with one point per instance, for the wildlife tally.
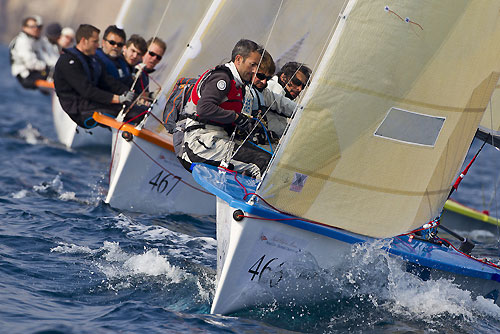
(152, 54)
(113, 43)
(262, 76)
(297, 82)
(34, 26)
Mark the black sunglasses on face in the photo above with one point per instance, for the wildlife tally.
(297, 82)
(262, 76)
(152, 54)
(113, 43)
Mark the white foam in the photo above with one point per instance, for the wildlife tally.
(120, 264)
(205, 246)
(67, 196)
(56, 184)
(31, 135)
(20, 194)
(72, 249)
(385, 279)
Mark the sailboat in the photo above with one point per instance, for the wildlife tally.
(140, 163)
(143, 162)
(370, 158)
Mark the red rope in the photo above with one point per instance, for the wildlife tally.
(483, 261)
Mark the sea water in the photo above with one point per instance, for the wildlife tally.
(69, 263)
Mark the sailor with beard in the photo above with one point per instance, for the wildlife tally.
(273, 108)
(290, 81)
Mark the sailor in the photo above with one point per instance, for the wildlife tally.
(111, 54)
(156, 48)
(214, 111)
(133, 51)
(67, 38)
(265, 104)
(289, 81)
(79, 79)
(30, 54)
(53, 33)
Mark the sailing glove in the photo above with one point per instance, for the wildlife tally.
(127, 97)
(243, 123)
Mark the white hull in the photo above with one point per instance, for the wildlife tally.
(73, 136)
(155, 183)
(261, 262)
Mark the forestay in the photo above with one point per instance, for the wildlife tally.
(389, 116)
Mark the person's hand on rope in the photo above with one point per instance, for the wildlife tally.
(127, 97)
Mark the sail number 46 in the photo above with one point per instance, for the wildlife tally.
(161, 181)
(256, 270)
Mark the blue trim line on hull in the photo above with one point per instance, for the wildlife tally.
(431, 255)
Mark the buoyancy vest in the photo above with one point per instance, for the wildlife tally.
(235, 96)
(122, 72)
(94, 73)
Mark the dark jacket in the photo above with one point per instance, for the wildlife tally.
(117, 68)
(79, 82)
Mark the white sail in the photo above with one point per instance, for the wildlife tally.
(281, 24)
(174, 21)
(389, 115)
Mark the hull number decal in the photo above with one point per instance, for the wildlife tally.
(164, 182)
(255, 269)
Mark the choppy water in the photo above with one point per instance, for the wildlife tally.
(71, 264)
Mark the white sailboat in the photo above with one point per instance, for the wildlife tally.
(146, 167)
(387, 120)
(223, 24)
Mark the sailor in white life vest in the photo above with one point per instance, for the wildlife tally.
(290, 81)
(267, 105)
(214, 110)
(31, 58)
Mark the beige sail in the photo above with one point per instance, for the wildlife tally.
(389, 116)
(490, 123)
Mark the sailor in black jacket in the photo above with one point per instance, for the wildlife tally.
(79, 77)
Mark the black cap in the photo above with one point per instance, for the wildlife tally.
(53, 30)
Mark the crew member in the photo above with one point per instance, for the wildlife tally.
(214, 110)
(30, 54)
(79, 80)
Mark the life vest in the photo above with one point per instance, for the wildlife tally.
(94, 73)
(235, 96)
(122, 72)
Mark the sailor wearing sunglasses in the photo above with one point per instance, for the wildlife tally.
(111, 54)
(156, 48)
(266, 105)
(290, 81)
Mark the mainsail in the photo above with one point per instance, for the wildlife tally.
(389, 115)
